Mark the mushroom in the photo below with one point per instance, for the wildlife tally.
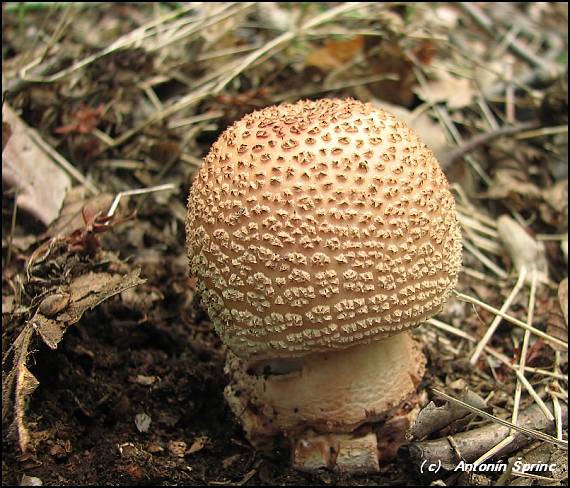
(320, 233)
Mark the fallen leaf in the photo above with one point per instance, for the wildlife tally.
(198, 444)
(30, 481)
(75, 205)
(554, 210)
(65, 308)
(53, 304)
(508, 184)
(144, 380)
(335, 53)
(40, 183)
(165, 152)
(272, 15)
(84, 120)
(226, 463)
(391, 58)
(455, 92)
(51, 331)
(143, 421)
(17, 384)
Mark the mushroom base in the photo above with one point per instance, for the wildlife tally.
(344, 410)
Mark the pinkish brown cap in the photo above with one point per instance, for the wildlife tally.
(320, 225)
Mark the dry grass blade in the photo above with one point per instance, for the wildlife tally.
(501, 273)
(286, 37)
(511, 319)
(66, 165)
(494, 450)
(496, 354)
(128, 40)
(140, 191)
(497, 320)
(223, 13)
(530, 432)
(524, 351)
(513, 45)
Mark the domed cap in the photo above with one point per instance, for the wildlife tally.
(320, 225)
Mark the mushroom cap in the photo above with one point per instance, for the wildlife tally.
(320, 225)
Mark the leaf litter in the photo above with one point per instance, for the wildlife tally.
(112, 374)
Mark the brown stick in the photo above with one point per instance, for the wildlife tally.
(483, 139)
(472, 444)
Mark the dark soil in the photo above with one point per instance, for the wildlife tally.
(133, 393)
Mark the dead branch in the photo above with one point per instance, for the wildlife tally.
(469, 446)
(483, 139)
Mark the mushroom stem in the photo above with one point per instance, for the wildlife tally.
(342, 409)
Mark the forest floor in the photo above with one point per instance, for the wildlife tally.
(111, 372)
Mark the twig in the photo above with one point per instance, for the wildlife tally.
(494, 450)
(483, 139)
(524, 430)
(477, 441)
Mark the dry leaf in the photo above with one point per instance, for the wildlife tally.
(89, 290)
(66, 308)
(84, 121)
(273, 16)
(335, 53)
(507, 183)
(554, 210)
(50, 331)
(40, 183)
(17, 384)
(456, 92)
(30, 481)
(198, 444)
(177, 448)
(143, 421)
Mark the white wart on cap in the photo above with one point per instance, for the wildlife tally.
(320, 225)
